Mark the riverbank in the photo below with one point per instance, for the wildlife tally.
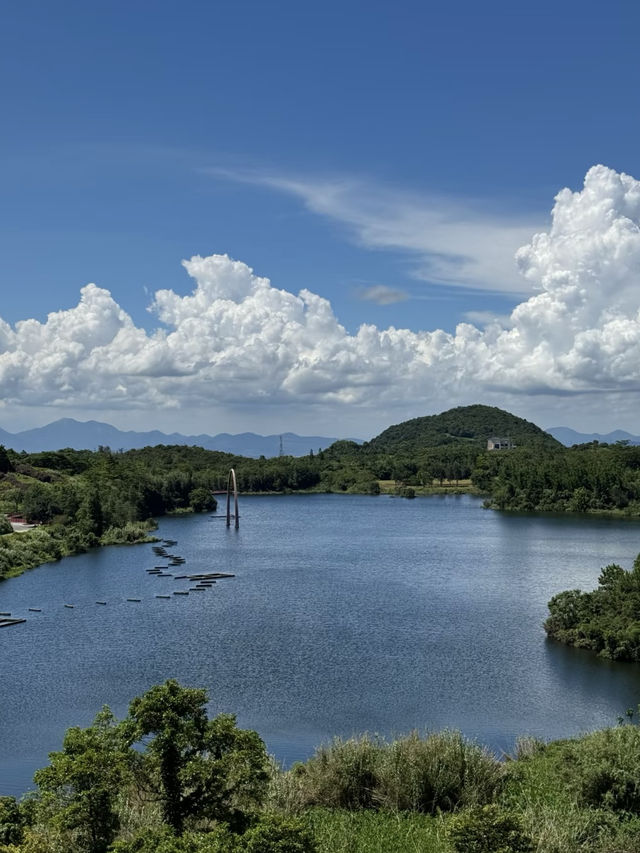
(28, 549)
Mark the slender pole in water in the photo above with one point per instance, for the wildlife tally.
(231, 480)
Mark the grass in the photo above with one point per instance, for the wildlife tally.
(376, 832)
(365, 795)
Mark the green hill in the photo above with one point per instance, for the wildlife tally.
(465, 424)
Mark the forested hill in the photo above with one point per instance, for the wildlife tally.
(470, 424)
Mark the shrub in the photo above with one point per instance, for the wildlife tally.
(342, 775)
(439, 772)
(218, 840)
(607, 765)
(488, 829)
(276, 834)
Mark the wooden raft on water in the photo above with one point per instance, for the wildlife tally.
(5, 622)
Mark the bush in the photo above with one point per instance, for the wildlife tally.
(439, 772)
(607, 768)
(488, 829)
(219, 840)
(342, 775)
(276, 834)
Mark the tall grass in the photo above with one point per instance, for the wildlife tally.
(376, 832)
(438, 772)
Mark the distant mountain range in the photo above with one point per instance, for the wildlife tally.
(569, 436)
(89, 435)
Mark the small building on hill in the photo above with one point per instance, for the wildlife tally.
(496, 443)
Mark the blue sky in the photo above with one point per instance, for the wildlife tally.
(389, 158)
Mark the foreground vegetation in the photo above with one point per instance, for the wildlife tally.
(169, 780)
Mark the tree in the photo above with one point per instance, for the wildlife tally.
(11, 821)
(90, 516)
(196, 766)
(202, 500)
(5, 462)
(81, 785)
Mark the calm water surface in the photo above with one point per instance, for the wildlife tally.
(347, 613)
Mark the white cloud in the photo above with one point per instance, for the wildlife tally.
(382, 294)
(236, 340)
(452, 243)
(483, 318)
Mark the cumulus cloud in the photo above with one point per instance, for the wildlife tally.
(237, 339)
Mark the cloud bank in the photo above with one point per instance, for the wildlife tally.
(236, 339)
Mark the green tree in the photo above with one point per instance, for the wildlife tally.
(11, 821)
(196, 766)
(202, 500)
(90, 516)
(79, 789)
(5, 462)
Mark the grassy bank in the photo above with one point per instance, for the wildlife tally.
(22, 551)
(439, 793)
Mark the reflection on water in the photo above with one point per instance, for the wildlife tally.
(347, 613)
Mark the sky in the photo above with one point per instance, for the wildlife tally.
(319, 218)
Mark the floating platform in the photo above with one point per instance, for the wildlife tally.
(210, 576)
(4, 622)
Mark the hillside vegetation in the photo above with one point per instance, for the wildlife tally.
(465, 424)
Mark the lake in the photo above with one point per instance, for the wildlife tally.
(346, 614)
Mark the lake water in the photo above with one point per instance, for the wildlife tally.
(346, 614)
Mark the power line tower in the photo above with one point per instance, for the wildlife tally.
(281, 448)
